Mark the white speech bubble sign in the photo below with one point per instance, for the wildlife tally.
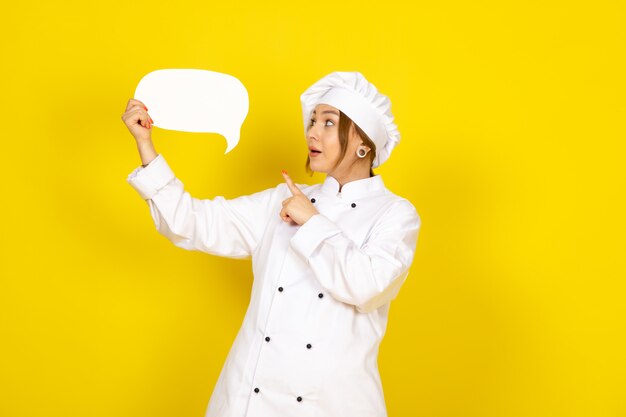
(195, 100)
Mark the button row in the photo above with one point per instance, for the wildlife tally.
(299, 399)
(281, 289)
(308, 345)
(353, 205)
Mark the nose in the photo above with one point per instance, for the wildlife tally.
(312, 132)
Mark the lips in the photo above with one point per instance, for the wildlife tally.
(314, 150)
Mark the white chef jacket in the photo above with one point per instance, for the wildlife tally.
(308, 345)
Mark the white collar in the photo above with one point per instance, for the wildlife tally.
(354, 189)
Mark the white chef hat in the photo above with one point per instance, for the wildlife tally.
(359, 99)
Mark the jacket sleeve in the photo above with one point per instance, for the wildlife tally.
(224, 227)
(366, 277)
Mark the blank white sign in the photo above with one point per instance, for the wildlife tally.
(195, 100)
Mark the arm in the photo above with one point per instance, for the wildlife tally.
(230, 228)
(366, 277)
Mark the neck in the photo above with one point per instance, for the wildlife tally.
(346, 177)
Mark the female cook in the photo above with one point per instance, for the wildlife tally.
(327, 258)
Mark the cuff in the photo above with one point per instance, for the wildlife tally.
(312, 233)
(149, 180)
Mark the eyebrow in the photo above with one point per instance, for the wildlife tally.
(328, 111)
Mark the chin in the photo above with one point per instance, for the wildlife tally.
(317, 168)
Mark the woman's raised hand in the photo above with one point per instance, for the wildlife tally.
(137, 120)
(298, 208)
(139, 123)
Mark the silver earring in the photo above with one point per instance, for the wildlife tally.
(361, 153)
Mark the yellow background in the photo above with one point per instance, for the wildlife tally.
(512, 119)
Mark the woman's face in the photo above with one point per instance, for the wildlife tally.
(323, 136)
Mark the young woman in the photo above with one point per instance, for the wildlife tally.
(327, 258)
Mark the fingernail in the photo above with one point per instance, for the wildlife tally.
(283, 171)
(145, 107)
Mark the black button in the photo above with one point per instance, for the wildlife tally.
(312, 200)
(308, 346)
(256, 390)
(267, 339)
(299, 399)
(280, 289)
(320, 295)
(353, 205)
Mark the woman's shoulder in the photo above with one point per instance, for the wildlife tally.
(399, 205)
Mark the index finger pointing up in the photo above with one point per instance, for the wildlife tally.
(293, 187)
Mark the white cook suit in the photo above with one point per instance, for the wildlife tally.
(308, 345)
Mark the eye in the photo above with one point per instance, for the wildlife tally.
(312, 122)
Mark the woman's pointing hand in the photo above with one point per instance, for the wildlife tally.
(298, 208)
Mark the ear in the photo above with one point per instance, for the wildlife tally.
(363, 145)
